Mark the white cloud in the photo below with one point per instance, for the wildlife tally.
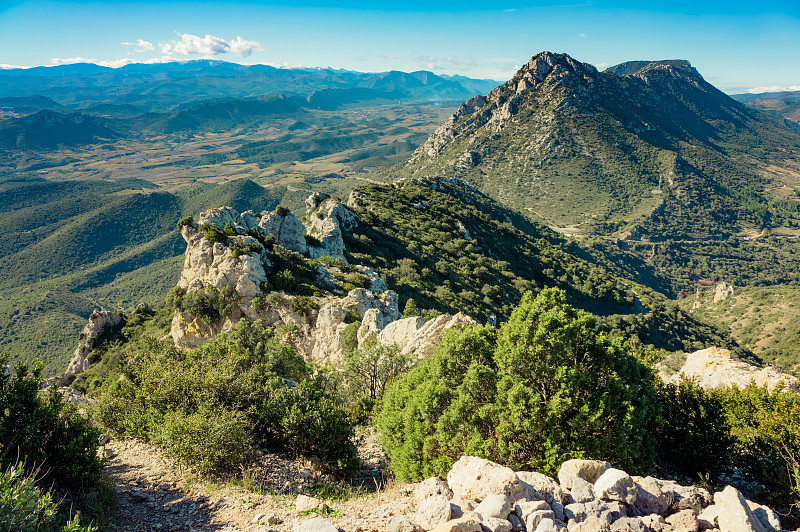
(209, 45)
(602, 66)
(582, 35)
(143, 46)
(445, 63)
(774, 88)
(70, 60)
(4, 66)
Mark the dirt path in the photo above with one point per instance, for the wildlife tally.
(154, 495)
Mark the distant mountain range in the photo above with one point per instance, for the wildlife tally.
(785, 103)
(165, 86)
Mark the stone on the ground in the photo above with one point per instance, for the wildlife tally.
(462, 524)
(591, 524)
(582, 490)
(540, 486)
(524, 508)
(473, 478)
(684, 521)
(615, 485)
(494, 506)
(686, 497)
(532, 520)
(304, 503)
(609, 511)
(651, 498)
(734, 513)
(709, 518)
(629, 524)
(768, 517)
(516, 522)
(495, 524)
(315, 524)
(588, 470)
(432, 486)
(433, 511)
(399, 524)
(549, 525)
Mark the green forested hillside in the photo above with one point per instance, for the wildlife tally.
(67, 248)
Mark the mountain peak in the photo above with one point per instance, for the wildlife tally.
(642, 68)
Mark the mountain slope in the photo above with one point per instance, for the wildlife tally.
(645, 151)
(49, 129)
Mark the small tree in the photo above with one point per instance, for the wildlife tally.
(370, 367)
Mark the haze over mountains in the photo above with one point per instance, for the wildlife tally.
(652, 176)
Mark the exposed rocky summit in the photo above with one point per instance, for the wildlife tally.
(316, 329)
(716, 368)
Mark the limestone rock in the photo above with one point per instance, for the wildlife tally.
(327, 220)
(767, 516)
(588, 470)
(430, 487)
(609, 511)
(651, 498)
(377, 318)
(582, 490)
(304, 503)
(315, 524)
(473, 478)
(715, 368)
(433, 511)
(722, 292)
(287, 230)
(399, 524)
(686, 497)
(684, 521)
(630, 524)
(591, 524)
(462, 524)
(494, 524)
(524, 508)
(533, 520)
(734, 513)
(616, 485)
(223, 216)
(709, 518)
(549, 525)
(540, 486)
(427, 335)
(101, 322)
(494, 506)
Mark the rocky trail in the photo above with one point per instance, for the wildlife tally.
(153, 494)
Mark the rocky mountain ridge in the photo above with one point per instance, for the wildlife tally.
(316, 329)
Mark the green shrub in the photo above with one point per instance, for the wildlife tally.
(258, 304)
(26, 508)
(695, 438)
(39, 428)
(547, 388)
(210, 305)
(245, 248)
(183, 222)
(213, 234)
(280, 210)
(229, 229)
(303, 305)
(207, 407)
(369, 368)
(349, 338)
(311, 240)
(210, 439)
(305, 421)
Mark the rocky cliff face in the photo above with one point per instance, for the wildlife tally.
(715, 368)
(316, 327)
(101, 323)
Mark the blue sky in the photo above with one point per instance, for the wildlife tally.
(736, 45)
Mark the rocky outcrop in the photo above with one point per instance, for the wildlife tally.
(715, 368)
(327, 220)
(498, 499)
(101, 324)
(415, 336)
(287, 230)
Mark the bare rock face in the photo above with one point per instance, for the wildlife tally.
(588, 470)
(212, 264)
(100, 323)
(227, 215)
(327, 219)
(715, 368)
(287, 230)
(415, 336)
